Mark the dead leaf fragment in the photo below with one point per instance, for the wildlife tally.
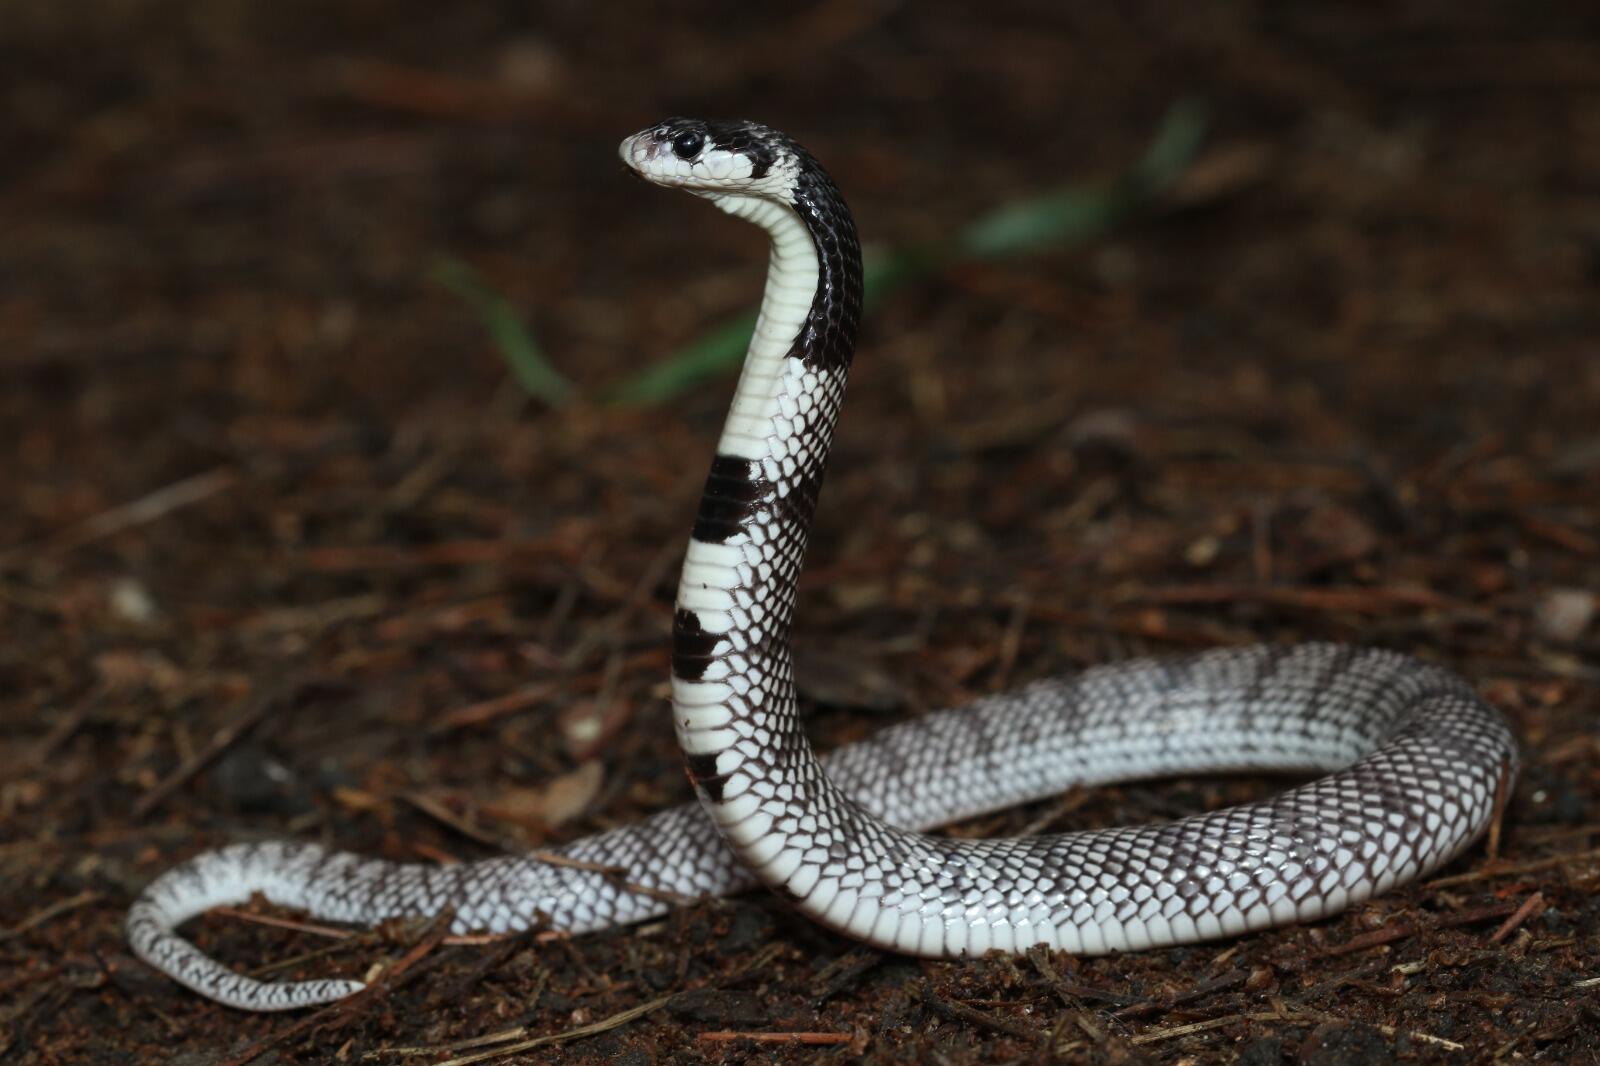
(551, 804)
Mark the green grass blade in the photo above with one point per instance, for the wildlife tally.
(712, 353)
(511, 338)
(1173, 148)
(1058, 219)
(1076, 214)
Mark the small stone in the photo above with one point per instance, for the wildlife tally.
(1109, 430)
(250, 780)
(132, 602)
(1203, 552)
(1562, 615)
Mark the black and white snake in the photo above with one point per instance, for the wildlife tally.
(1419, 759)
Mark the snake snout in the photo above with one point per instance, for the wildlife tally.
(650, 157)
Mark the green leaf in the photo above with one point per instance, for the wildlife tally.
(511, 338)
(711, 354)
(1068, 217)
(1077, 214)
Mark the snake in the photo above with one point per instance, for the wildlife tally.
(1415, 763)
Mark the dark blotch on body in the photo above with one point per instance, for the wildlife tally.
(691, 645)
(732, 495)
(703, 771)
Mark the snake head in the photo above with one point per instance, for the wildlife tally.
(713, 158)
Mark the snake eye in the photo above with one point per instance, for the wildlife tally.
(687, 145)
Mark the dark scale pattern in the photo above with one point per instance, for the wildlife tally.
(828, 339)
(691, 646)
(1419, 757)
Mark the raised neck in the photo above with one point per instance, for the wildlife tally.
(731, 663)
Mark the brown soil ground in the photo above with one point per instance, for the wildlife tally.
(280, 532)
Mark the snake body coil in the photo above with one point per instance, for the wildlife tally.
(1419, 759)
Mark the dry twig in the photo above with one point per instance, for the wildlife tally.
(1532, 907)
(960, 1012)
(724, 1036)
(53, 911)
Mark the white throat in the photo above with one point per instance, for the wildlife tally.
(785, 302)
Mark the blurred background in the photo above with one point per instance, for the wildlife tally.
(354, 403)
